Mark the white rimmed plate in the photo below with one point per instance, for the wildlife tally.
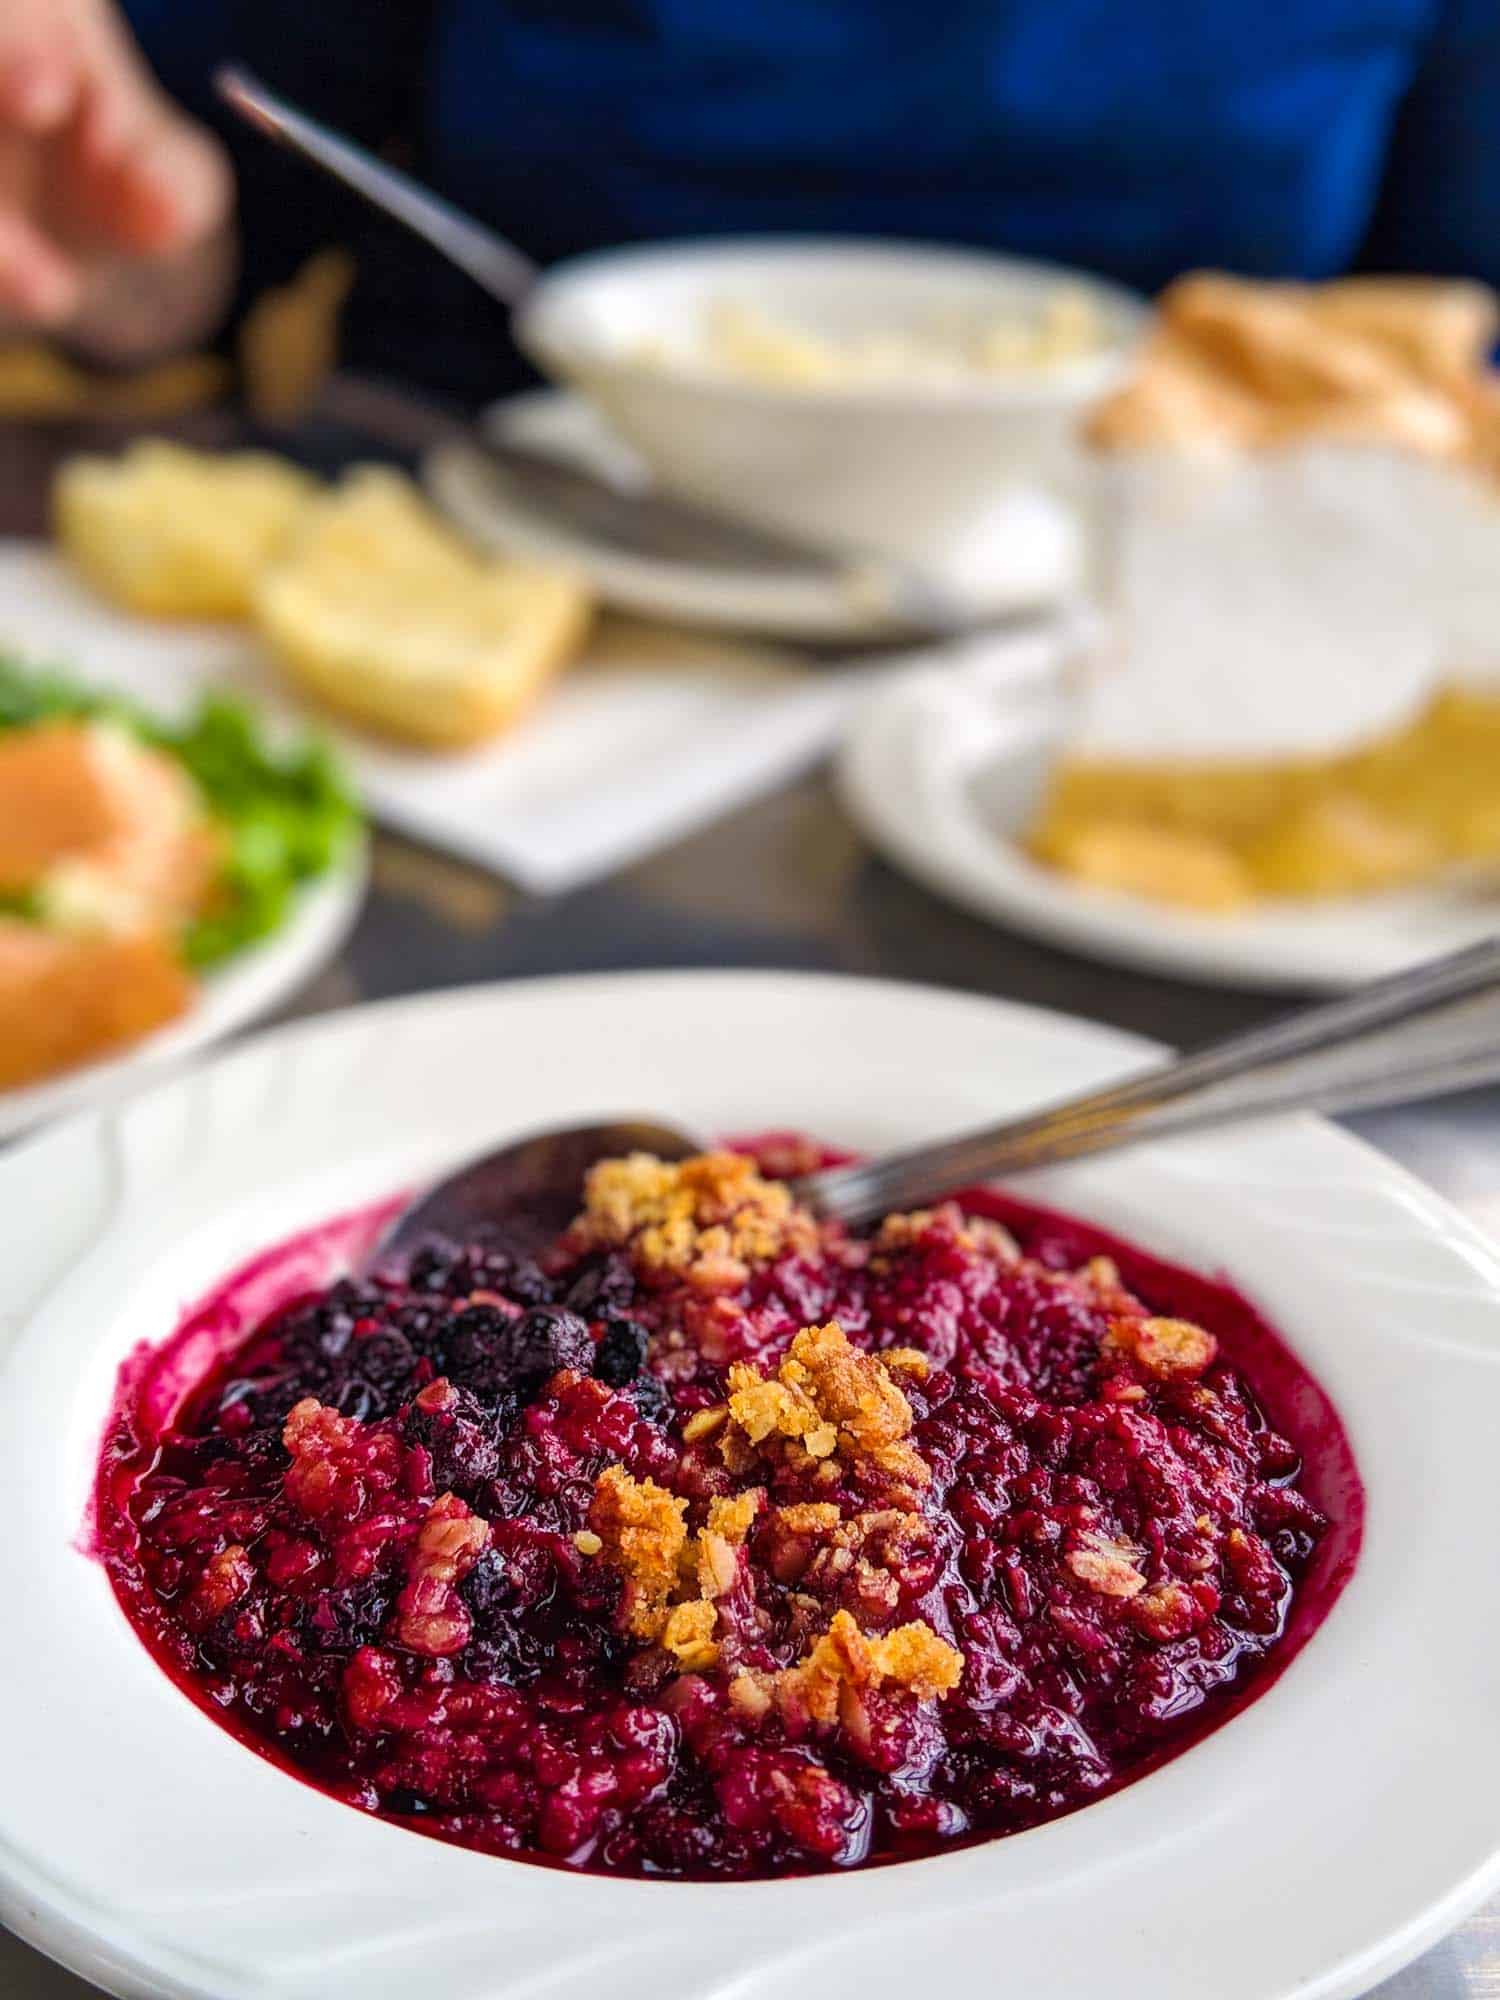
(943, 776)
(1315, 1843)
(254, 983)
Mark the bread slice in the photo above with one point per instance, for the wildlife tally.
(65, 1000)
(177, 533)
(380, 611)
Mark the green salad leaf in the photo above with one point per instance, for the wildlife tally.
(287, 812)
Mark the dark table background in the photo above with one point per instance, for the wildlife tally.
(784, 883)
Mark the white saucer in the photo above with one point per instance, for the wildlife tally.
(943, 773)
(1310, 1846)
(1030, 544)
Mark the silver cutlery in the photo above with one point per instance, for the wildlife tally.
(1422, 1033)
(633, 520)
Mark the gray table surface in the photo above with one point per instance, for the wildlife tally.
(786, 883)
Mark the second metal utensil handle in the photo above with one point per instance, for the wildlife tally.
(1352, 1054)
(504, 271)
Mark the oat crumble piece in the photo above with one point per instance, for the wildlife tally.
(808, 1517)
(767, 1407)
(1106, 1565)
(706, 1220)
(826, 1396)
(688, 1635)
(907, 1361)
(325, 1478)
(715, 1565)
(734, 1517)
(225, 1579)
(431, 1617)
(946, 1222)
(1166, 1348)
(642, 1530)
(751, 1694)
(672, 1579)
(843, 1661)
(703, 1423)
(1168, 1612)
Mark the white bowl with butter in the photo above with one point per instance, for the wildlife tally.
(905, 399)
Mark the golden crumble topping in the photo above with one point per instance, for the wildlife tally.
(705, 1220)
(910, 1229)
(672, 1579)
(1163, 1347)
(765, 1407)
(808, 1517)
(642, 1531)
(907, 1361)
(703, 1423)
(863, 1558)
(733, 1518)
(845, 1661)
(827, 1396)
(715, 1565)
(688, 1634)
(751, 1695)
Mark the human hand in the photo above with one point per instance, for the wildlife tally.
(98, 167)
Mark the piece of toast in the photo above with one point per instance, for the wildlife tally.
(382, 612)
(177, 533)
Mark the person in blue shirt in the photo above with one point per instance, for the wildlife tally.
(1138, 138)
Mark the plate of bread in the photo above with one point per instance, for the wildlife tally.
(472, 693)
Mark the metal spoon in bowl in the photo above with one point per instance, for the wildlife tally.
(895, 596)
(1421, 1033)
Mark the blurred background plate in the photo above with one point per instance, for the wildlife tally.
(944, 769)
(251, 985)
(1024, 556)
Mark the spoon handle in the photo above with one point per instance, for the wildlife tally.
(504, 271)
(1421, 1033)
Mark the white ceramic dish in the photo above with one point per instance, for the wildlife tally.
(1312, 1845)
(942, 772)
(240, 992)
(1024, 557)
(906, 468)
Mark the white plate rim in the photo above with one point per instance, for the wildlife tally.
(901, 773)
(105, 1177)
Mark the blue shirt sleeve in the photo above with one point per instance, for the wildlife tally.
(1438, 210)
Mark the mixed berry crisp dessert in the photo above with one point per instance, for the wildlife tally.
(710, 1541)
